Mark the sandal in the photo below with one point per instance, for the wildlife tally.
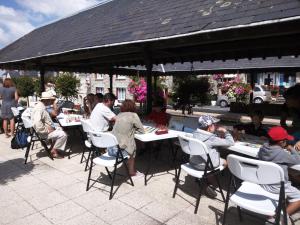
(7, 135)
(137, 174)
(56, 156)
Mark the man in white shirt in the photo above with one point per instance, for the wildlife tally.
(102, 115)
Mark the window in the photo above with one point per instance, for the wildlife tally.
(121, 94)
(100, 90)
(256, 89)
(120, 77)
(99, 76)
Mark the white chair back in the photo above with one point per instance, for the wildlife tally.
(103, 139)
(27, 122)
(15, 111)
(86, 125)
(255, 171)
(192, 146)
(27, 113)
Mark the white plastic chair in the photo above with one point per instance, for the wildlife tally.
(15, 111)
(250, 195)
(33, 137)
(192, 146)
(18, 118)
(106, 140)
(87, 127)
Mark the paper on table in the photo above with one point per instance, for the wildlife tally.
(149, 129)
(250, 144)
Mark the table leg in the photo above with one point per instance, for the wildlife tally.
(174, 154)
(149, 150)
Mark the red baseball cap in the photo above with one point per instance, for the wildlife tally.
(279, 134)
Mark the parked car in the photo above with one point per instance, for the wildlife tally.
(260, 94)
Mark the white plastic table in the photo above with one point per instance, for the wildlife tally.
(147, 138)
(251, 150)
(64, 122)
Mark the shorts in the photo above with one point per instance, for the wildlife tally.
(292, 193)
(112, 151)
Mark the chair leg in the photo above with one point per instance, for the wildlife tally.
(27, 151)
(199, 196)
(108, 173)
(177, 182)
(112, 183)
(47, 149)
(90, 173)
(220, 189)
(82, 155)
(240, 213)
(226, 202)
(127, 171)
(88, 159)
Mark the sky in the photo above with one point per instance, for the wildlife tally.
(19, 17)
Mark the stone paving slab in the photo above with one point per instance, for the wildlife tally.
(47, 192)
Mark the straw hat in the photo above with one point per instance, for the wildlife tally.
(47, 95)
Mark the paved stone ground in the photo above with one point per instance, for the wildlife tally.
(47, 192)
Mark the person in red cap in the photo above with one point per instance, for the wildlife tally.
(279, 152)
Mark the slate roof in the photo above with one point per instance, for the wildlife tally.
(274, 64)
(127, 27)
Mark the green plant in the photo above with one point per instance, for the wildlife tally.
(25, 86)
(66, 85)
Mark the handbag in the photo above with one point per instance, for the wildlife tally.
(19, 140)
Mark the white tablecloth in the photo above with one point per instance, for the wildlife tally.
(64, 120)
(154, 137)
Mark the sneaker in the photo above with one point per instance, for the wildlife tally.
(272, 221)
(295, 218)
(209, 192)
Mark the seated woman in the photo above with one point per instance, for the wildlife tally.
(89, 104)
(255, 128)
(127, 123)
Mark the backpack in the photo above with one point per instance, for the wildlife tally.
(20, 140)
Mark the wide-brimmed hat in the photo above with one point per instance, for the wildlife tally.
(279, 134)
(47, 95)
(207, 120)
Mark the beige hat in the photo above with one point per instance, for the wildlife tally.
(47, 95)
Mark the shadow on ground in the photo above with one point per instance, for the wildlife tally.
(12, 169)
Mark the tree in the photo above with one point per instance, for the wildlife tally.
(37, 83)
(191, 89)
(66, 85)
(25, 86)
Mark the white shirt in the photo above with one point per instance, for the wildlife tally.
(100, 117)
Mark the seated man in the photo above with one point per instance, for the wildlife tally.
(275, 151)
(255, 128)
(43, 124)
(206, 134)
(102, 116)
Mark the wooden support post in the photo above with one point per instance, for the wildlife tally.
(42, 79)
(155, 85)
(110, 82)
(252, 86)
(149, 87)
